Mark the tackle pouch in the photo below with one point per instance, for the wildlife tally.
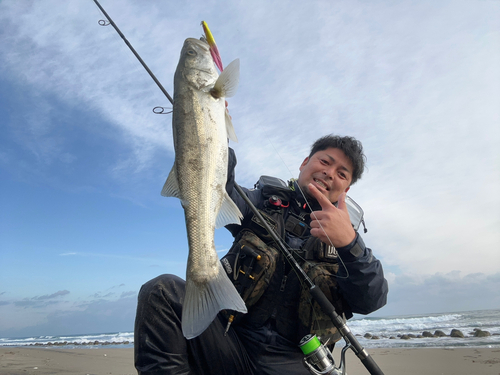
(249, 264)
(273, 186)
(322, 270)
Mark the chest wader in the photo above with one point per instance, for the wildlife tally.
(254, 262)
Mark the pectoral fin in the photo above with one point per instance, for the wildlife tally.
(227, 83)
(171, 187)
(229, 213)
(231, 134)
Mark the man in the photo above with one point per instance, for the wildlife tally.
(265, 340)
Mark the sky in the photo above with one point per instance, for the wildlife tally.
(83, 157)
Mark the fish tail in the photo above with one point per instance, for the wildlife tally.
(203, 302)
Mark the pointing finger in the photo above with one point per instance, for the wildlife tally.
(322, 200)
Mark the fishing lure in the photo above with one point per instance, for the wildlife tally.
(214, 51)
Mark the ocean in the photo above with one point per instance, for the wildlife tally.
(114, 340)
(384, 328)
(396, 326)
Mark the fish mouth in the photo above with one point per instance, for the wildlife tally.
(201, 43)
(321, 183)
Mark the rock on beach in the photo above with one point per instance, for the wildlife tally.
(456, 333)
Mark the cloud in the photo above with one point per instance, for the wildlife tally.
(441, 292)
(128, 294)
(35, 304)
(116, 286)
(99, 314)
(417, 82)
(55, 57)
(39, 302)
(53, 295)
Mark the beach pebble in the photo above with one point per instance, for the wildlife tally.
(439, 333)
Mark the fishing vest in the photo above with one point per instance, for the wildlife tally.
(271, 289)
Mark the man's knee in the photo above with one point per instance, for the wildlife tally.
(164, 287)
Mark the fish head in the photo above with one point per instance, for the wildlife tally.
(196, 65)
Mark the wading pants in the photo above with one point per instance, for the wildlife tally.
(160, 347)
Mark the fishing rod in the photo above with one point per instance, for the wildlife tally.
(318, 295)
(316, 352)
(134, 52)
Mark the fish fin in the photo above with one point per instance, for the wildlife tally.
(229, 213)
(228, 81)
(231, 134)
(203, 301)
(171, 187)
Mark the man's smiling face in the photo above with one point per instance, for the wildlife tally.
(329, 170)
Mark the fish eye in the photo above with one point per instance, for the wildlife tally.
(191, 52)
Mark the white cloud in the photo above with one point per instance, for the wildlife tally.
(441, 292)
(417, 82)
(99, 315)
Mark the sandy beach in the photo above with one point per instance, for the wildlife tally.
(436, 361)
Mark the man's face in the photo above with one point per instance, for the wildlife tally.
(329, 170)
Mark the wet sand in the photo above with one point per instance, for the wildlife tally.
(102, 361)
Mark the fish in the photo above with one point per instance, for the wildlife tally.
(201, 127)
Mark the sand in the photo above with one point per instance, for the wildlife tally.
(45, 361)
(421, 361)
(435, 361)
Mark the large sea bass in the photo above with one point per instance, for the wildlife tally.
(201, 128)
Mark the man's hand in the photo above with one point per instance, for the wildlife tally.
(331, 225)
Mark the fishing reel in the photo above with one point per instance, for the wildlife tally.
(319, 359)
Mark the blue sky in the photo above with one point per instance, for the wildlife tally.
(83, 158)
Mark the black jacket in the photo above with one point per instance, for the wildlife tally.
(360, 280)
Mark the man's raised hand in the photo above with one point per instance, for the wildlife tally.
(331, 225)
